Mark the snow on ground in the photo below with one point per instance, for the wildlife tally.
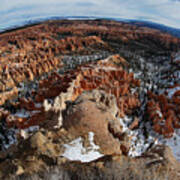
(140, 143)
(177, 57)
(172, 91)
(124, 122)
(13, 135)
(22, 113)
(174, 144)
(75, 151)
(25, 133)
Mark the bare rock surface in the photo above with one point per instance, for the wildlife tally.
(155, 164)
(93, 112)
(89, 122)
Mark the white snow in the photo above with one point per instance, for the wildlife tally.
(172, 91)
(139, 143)
(174, 144)
(124, 122)
(22, 113)
(38, 105)
(25, 133)
(159, 114)
(137, 74)
(133, 90)
(75, 151)
(177, 57)
(46, 105)
(11, 139)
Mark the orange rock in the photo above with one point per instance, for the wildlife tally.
(169, 113)
(4, 96)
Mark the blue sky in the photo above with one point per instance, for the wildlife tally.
(16, 12)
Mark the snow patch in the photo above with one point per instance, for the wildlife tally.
(159, 114)
(177, 57)
(125, 122)
(25, 133)
(25, 114)
(174, 144)
(22, 113)
(75, 151)
(172, 91)
(38, 105)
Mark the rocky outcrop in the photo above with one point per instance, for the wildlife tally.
(164, 113)
(28, 53)
(4, 96)
(164, 108)
(25, 57)
(107, 75)
(95, 112)
(40, 158)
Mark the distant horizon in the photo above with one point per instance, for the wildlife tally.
(44, 19)
(18, 12)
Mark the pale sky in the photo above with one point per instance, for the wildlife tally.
(16, 12)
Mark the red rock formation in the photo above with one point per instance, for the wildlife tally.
(27, 53)
(164, 113)
(8, 95)
(103, 75)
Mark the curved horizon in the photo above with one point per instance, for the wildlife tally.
(18, 12)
